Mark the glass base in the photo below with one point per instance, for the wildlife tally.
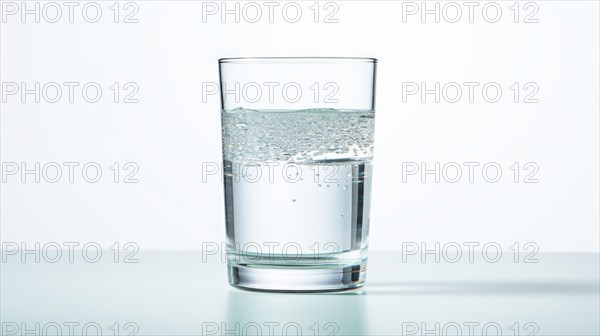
(330, 279)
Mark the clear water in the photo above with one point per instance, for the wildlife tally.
(297, 186)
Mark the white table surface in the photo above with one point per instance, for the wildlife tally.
(175, 293)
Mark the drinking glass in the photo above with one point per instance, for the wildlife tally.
(297, 161)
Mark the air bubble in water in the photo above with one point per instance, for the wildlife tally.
(299, 136)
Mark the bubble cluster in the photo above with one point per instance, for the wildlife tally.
(297, 136)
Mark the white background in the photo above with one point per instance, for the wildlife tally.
(170, 52)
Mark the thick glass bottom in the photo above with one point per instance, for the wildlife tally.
(297, 279)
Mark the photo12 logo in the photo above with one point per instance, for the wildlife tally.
(69, 11)
(273, 92)
(71, 172)
(470, 12)
(272, 252)
(271, 172)
(453, 252)
(471, 172)
(469, 92)
(269, 328)
(71, 252)
(269, 12)
(470, 328)
(69, 329)
(69, 92)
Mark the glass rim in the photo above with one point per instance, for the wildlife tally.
(297, 60)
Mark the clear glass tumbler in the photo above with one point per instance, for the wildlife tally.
(297, 152)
